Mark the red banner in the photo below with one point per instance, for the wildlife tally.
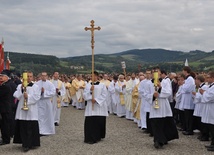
(1, 57)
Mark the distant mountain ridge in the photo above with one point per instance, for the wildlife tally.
(136, 59)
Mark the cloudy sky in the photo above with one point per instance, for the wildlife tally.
(56, 27)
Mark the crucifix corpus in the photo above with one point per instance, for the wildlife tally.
(92, 29)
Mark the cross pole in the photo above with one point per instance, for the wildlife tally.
(92, 29)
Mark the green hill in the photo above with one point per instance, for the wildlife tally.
(136, 60)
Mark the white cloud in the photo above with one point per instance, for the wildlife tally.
(57, 27)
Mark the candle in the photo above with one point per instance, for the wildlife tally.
(155, 78)
(24, 76)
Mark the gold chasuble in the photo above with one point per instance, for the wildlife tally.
(122, 97)
(59, 97)
(106, 82)
(136, 102)
(67, 97)
(72, 89)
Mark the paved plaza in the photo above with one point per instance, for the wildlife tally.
(123, 138)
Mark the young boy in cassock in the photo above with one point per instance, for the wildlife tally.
(163, 125)
(27, 126)
(207, 112)
(95, 112)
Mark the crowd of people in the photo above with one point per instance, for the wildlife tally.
(160, 107)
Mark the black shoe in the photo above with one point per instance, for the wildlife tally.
(158, 145)
(4, 143)
(41, 135)
(146, 131)
(90, 142)
(181, 129)
(187, 133)
(56, 124)
(150, 135)
(209, 146)
(204, 139)
(199, 137)
(25, 149)
(210, 149)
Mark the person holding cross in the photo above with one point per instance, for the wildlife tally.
(96, 111)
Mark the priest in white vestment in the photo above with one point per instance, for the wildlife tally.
(57, 98)
(115, 97)
(66, 99)
(120, 88)
(45, 106)
(108, 99)
(146, 90)
(79, 86)
(129, 88)
(95, 112)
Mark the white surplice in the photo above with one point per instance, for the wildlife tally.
(197, 101)
(45, 108)
(208, 105)
(187, 98)
(100, 108)
(164, 109)
(33, 96)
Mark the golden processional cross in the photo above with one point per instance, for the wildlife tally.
(92, 29)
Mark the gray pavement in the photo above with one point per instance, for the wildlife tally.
(123, 138)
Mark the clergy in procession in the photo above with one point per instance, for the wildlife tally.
(120, 88)
(106, 82)
(187, 100)
(115, 97)
(136, 101)
(200, 83)
(27, 126)
(45, 106)
(162, 122)
(129, 88)
(57, 98)
(178, 105)
(66, 99)
(208, 108)
(79, 86)
(146, 90)
(73, 92)
(96, 111)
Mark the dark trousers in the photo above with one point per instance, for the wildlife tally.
(148, 124)
(197, 122)
(211, 128)
(5, 127)
(205, 132)
(182, 119)
(189, 120)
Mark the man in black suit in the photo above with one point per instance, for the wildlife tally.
(5, 108)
